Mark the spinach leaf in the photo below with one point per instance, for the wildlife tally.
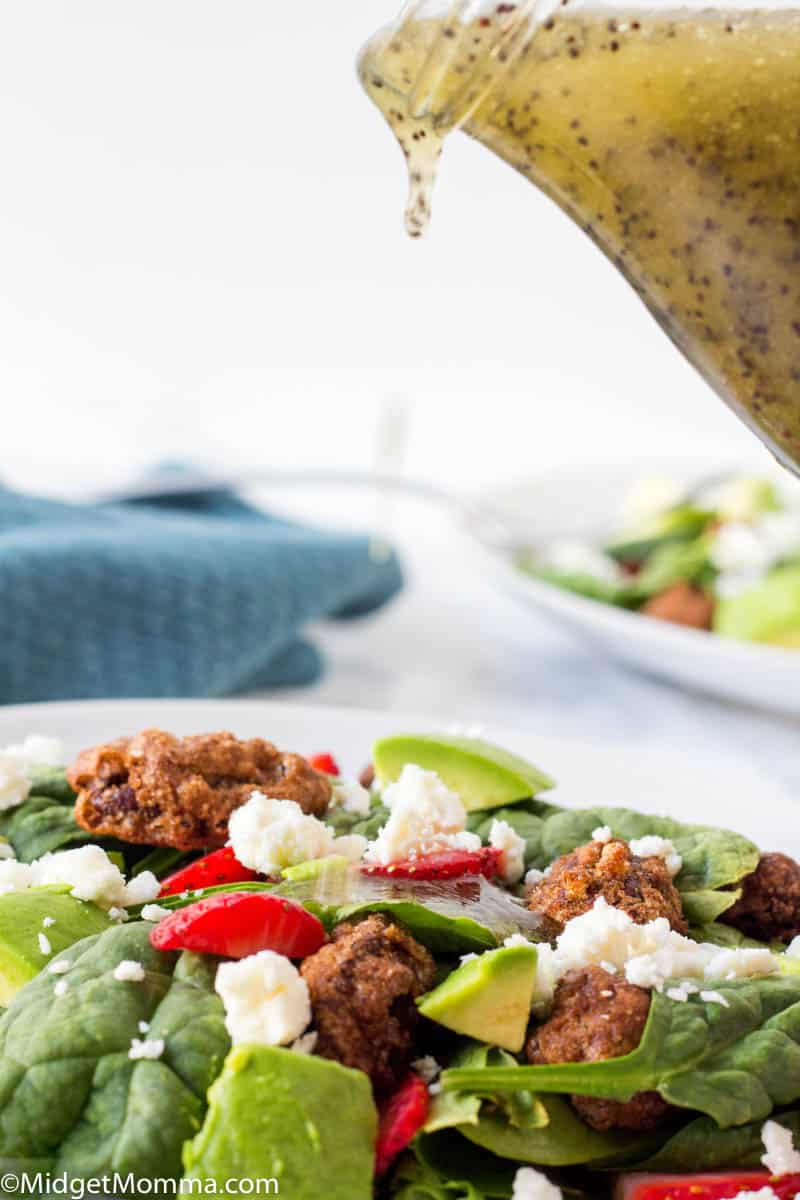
(69, 1093)
(563, 1142)
(345, 823)
(712, 858)
(734, 1061)
(39, 825)
(53, 782)
(451, 1109)
(445, 1167)
(703, 1146)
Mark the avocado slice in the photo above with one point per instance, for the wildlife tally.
(484, 776)
(769, 612)
(316, 868)
(22, 916)
(306, 1122)
(487, 998)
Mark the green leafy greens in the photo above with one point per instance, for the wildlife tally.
(735, 1061)
(71, 1098)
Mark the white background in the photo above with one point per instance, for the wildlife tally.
(202, 253)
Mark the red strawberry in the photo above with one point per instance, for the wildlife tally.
(325, 763)
(235, 924)
(447, 864)
(402, 1115)
(719, 1186)
(220, 867)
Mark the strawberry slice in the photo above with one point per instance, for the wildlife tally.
(447, 864)
(720, 1186)
(325, 763)
(220, 867)
(235, 924)
(402, 1115)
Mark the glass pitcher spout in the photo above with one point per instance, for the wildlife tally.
(669, 134)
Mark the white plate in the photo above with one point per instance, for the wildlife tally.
(587, 774)
(584, 505)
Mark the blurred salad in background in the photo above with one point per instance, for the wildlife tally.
(724, 557)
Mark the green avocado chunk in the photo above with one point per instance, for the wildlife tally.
(306, 1122)
(22, 916)
(487, 998)
(484, 776)
(769, 612)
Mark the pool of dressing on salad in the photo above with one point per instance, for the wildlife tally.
(672, 137)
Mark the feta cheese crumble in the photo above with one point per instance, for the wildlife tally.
(48, 922)
(602, 834)
(154, 912)
(61, 988)
(59, 967)
(15, 785)
(150, 1048)
(268, 835)
(512, 851)
(142, 888)
(88, 870)
(425, 818)
(45, 946)
(348, 795)
(533, 877)
(14, 876)
(265, 998)
(780, 1156)
(533, 1185)
(649, 955)
(144, 1027)
(658, 847)
(129, 971)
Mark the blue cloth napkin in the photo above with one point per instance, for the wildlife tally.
(197, 595)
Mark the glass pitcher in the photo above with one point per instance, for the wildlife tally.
(670, 135)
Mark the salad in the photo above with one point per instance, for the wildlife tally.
(221, 961)
(723, 558)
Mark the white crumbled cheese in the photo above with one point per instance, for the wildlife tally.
(61, 988)
(714, 998)
(579, 558)
(793, 949)
(465, 958)
(765, 1193)
(88, 869)
(14, 876)
(516, 939)
(533, 877)
(743, 552)
(425, 818)
(780, 1156)
(6, 850)
(647, 500)
(658, 847)
(268, 835)
(512, 851)
(144, 1027)
(142, 888)
(351, 846)
(306, 1044)
(150, 1048)
(434, 1089)
(602, 834)
(266, 999)
(14, 783)
(650, 955)
(533, 1185)
(129, 971)
(45, 946)
(348, 795)
(118, 914)
(427, 1068)
(59, 967)
(48, 922)
(37, 751)
(154, 912)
